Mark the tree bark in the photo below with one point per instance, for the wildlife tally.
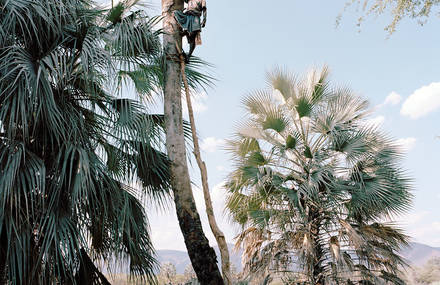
(88, 273)
(3, 269)
(317, 268)
(203, 258)
(218, 234)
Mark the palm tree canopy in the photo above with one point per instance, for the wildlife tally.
(314, 182)
(73, 152)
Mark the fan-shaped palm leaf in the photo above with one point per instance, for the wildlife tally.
(312, 181)
(73, 155)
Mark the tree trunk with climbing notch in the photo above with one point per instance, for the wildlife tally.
(202, 256)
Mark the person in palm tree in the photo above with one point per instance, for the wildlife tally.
(189, 20)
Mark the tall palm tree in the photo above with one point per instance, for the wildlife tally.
(314, 183)
(71, 151)
(203, 257)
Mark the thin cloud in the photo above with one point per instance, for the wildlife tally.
(198, 102)
(376, 121)
(423, 101)
(406, 144)
(211, 144)
(392, 99)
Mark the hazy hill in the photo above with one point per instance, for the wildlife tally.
(418, 254)
(181, 259)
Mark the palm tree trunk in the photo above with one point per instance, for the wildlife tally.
(317, 270)
(3, 270)
(202, 256)
(218, 234)
(88, 273)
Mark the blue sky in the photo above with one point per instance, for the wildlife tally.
(246, 38)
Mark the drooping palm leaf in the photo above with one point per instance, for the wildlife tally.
(76, 159)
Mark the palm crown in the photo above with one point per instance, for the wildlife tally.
(70, 149)
(313, 183)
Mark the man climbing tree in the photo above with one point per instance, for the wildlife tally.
(202, 256)
(189, 20)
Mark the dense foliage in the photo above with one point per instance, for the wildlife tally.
(71, 149)
(313, 185)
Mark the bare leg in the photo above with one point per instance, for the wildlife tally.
(184, 33)
(192, 45)
(191, 37)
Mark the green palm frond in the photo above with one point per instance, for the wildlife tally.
(198, 74)
(115, 14)
(313, 174)
(149, 75)
(76, 159)
(259, 102)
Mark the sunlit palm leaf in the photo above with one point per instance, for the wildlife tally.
(311, 181)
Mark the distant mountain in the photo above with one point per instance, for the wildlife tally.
(181, 259)
(418, 254)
